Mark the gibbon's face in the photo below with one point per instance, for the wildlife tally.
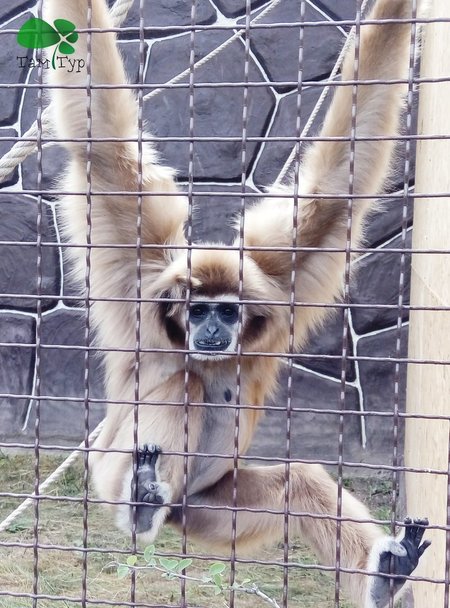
(216, 323)
(213, 328)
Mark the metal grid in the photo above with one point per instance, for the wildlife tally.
(295, 361)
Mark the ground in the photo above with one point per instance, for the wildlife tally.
(61, 566)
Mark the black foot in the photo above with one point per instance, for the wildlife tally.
(148, 490)
(399, 559)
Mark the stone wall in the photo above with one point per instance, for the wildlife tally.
(370, 376)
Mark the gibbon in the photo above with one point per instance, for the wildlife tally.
(194, 300)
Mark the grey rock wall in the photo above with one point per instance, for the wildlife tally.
(315, 406)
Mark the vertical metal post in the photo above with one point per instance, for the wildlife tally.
(428, 390)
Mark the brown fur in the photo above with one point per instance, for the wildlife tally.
(267, 276)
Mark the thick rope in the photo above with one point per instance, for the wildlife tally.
(120, 11)
(23, 148)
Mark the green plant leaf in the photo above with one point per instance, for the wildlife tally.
(217, 580)
(122, 571)
(217, 591)
(37, 34)
(245, 581)
(216, 568)
(149, 552)
(65, 48)
(167, 563)
(184, 563)
(131, 560)
(17, 527)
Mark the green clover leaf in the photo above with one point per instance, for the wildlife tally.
(66, 29)
(65, 48)
(37, 34)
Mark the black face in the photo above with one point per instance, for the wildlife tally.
(213, 327)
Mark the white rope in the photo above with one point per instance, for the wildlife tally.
(321, 99)
(120, 10)
(4, 525)
(213, 53)
(22, 149)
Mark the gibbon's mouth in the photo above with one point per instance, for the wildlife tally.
(212, 344)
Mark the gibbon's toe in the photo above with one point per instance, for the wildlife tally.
(148, 455)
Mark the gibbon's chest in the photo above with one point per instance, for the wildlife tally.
(218, 434)
(220, 388)
(218, 422)
(218, 381)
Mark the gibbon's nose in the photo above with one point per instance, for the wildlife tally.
(212, 329)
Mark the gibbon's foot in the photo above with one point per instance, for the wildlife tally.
(398, 558)
(148, 490)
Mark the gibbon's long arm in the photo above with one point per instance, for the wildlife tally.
(114, 164)
(384, 55)
(102, 168)
(99, 167)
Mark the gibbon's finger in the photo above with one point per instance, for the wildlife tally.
(142, 456)
(407, 521)
(423, 547)
(152, 452)
(414, 531)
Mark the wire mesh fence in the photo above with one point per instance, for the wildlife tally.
(190, 315)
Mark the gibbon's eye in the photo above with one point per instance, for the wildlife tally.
(198, 311)
(229, 313)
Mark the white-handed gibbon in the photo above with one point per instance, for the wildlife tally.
(200, 295)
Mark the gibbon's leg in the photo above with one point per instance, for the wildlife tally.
(162, 425)
(313, 495)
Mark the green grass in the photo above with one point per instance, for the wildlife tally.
(61, 569)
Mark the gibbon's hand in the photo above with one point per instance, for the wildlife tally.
(399, 560)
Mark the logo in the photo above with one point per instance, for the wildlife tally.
(38, 34)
